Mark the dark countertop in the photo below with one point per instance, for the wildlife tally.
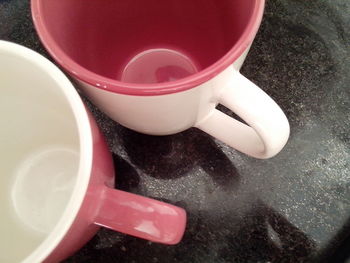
(292, 208)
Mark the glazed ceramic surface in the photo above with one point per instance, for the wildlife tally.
(57, 175)
(161, 68)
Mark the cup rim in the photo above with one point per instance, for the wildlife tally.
(137, 89)
(72, 208)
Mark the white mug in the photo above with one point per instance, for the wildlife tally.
(161, 67)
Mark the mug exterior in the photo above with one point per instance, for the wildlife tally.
(160, 108)
(102, 175)
(170, 107)
(95, 167)
(96, 212)
(92, 201)
(163, 114)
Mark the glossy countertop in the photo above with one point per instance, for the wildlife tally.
(294, 207)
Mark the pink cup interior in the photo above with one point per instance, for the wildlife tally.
(130, 44)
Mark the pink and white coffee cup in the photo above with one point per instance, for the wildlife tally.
(161, 67)
(56, 173)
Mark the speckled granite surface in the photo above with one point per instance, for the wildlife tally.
(292, 208)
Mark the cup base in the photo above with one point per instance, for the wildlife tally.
(158, 65)
(43, 185)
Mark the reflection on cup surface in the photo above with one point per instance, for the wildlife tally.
(157, 66)
(125, 56)
(43, 185)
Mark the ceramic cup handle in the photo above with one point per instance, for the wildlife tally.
(141, 217)
(267, 130)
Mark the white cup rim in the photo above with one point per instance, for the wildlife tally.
(86, 147)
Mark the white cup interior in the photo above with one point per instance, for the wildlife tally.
(39, 150)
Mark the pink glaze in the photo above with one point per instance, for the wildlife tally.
(92, 201)
(117, 210)
(95, 42)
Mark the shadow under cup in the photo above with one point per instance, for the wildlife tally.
(147, 41)
(39, 152)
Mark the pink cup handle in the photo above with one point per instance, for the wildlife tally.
(141, 217)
